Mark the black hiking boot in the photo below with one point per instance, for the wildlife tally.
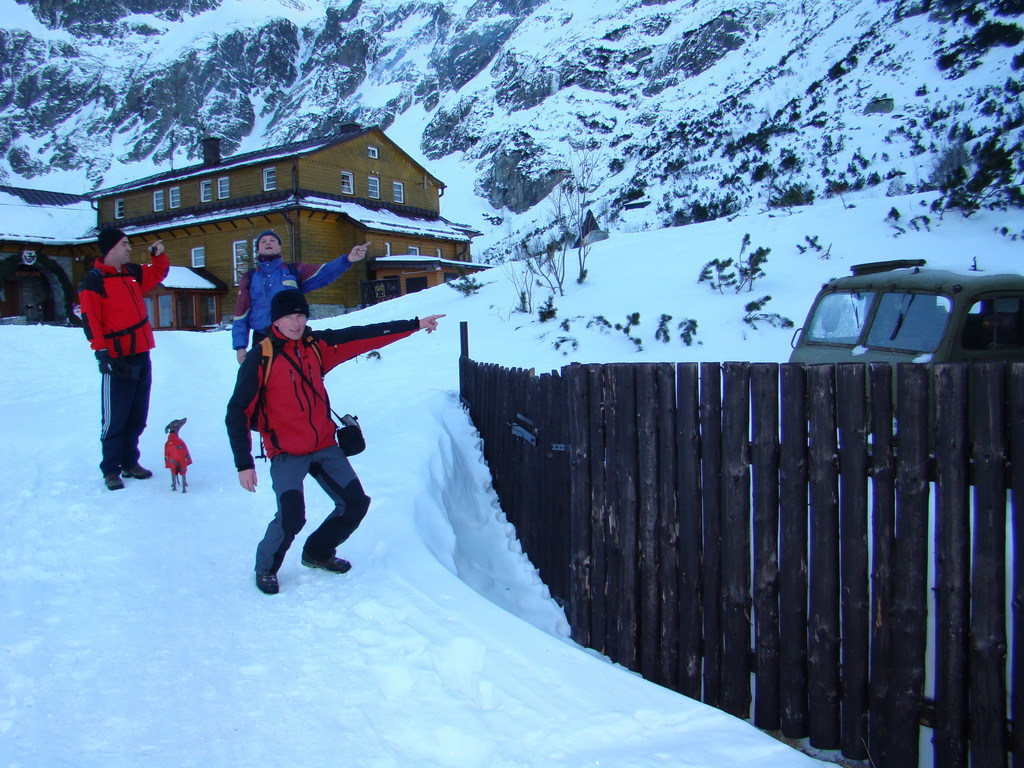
(113, 482)
(266, 582)
(332, 564)
(138, 472)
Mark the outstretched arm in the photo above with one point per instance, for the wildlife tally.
(430, 323)
(312, 277)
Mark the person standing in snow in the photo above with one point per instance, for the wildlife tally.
(289, 407)
(117, 326)
(258, 286)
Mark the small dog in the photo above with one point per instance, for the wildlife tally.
(176, 456)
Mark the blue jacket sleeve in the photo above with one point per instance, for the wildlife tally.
(313, 276)
(243, 305)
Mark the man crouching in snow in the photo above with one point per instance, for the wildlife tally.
(282, 395)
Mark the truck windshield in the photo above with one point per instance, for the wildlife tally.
(839, 318)
(910, 321)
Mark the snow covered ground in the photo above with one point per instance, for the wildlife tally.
(131, 633)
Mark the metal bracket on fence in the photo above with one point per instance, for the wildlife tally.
(525, 434)
(525, 429)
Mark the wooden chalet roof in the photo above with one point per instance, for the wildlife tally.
(297, 148)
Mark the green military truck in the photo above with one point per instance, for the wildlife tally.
(901, 311)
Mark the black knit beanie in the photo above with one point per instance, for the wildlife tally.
(288, 302)
(108, 238)
(266, 232)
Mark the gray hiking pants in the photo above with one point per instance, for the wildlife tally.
(331, 469)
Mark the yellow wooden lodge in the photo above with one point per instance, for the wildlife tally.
(322, 196)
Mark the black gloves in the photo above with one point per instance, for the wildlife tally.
(110, 365)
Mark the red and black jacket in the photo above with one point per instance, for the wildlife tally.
(290, 411)
(113, 312)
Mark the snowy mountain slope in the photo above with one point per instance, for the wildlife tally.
(702, 109)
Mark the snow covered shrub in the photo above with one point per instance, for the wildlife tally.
(466, 285)
(755, 315)
(795, 195)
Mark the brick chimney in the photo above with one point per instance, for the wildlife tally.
(211, 150)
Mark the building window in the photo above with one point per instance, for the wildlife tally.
(158, 200)
(372, 152)
(186, 311)
(373, 187)
(165, 311)
(223, 187)
(205, 191)
(119, 208)
(387, 249)
(199, 256)
(399, 191)
(414, 250)
(208, 310)
(437, 252)
(348, 186)
(174, 197)
(240, 251)
(269, 179)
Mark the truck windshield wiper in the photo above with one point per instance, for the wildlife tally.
(902, 315)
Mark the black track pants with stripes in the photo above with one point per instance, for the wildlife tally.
(332, 471)
(124, 408)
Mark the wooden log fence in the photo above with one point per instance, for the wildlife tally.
(706, 524)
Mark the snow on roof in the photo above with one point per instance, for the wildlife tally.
(184, 277)
(383, 220)
(389, 221)
(421, 259)
(46, 223)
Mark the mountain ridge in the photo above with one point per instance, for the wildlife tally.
(699, 110)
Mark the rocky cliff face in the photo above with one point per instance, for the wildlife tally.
(699, 108)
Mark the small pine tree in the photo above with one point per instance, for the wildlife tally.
(755, 315)
(547, 310)
(662, 334)
(687, 330)
(718, 274)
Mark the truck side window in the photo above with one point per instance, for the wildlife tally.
(994, 323)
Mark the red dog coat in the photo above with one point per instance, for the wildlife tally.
(176, 456)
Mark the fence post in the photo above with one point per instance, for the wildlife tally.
(667, 535)
(736, 540)
(648, 502)
(988, 579)
(623, 551)
(910, 589)
(824, 631)
(851, 396)
(793, 553)
(581, 542)
(764, 390)
(1015, 397)
(690, 507)
(952, 566)
(711, 449)
(883, 542)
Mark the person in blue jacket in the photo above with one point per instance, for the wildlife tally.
(257, 286)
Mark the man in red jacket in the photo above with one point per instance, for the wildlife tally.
(292, 414)
(117, 326)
